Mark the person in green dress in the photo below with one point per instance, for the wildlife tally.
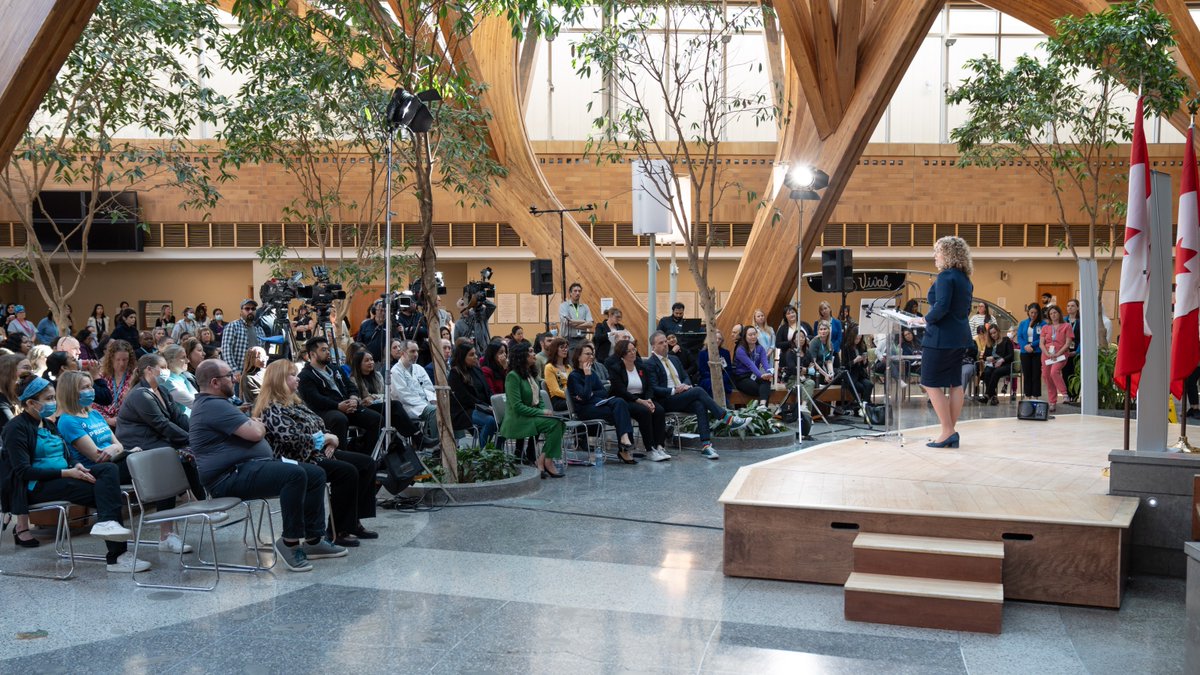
(527, 413)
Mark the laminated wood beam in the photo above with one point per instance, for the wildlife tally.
(825, 47)
(525, 183)
(35, 38)
(849, 29)
(902, 25)
(795, 23)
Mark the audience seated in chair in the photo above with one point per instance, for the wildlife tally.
(631, 383)
(413, 388)
(470, 397)
(672, 389)
(235, 460)
(35, 468)
(527, 414)
(705, 373)
(591, 401)
(297, 433)
(752, 373)
(327, 392)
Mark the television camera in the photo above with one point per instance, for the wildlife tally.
(476, 292)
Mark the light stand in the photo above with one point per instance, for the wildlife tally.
(410, 112)
(803, 181)
(562, 249)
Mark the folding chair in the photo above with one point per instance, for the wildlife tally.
(600, 427)
(62, 541)
(157, 475)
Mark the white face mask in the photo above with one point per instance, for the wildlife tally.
(164, 373)
(217, 316)
(191, 316)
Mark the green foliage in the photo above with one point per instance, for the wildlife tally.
(1060, 117)
(762, 423)
(137, 65)
(1111, 398)
(480, 465)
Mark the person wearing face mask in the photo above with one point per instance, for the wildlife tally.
(177, 379)
(188, 325)
(35, 468)
(149, 417)
(218, 322)
(90, 441)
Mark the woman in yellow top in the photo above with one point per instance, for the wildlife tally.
(558, 368)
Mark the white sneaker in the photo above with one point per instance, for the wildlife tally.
(111, 530)
(128, 564)
(657, 455)
(707, 452)
(173, 544)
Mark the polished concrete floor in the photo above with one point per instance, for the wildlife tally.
(612, 570)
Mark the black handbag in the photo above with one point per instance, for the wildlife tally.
(402, 466)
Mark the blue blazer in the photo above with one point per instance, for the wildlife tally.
(1023, 336)
(658, 375)
(946, 324)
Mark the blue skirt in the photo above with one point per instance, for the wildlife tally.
(941, 367)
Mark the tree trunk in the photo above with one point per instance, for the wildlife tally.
(708, 306)
(423, 172)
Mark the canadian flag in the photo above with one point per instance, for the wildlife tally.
(1185, 329)
(1135, 266)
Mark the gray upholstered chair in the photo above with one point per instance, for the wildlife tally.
(157, 475)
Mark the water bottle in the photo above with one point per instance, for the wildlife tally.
(599, 456)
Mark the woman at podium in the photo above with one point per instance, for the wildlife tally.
(947, 333)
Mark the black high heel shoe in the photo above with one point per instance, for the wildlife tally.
(547, 473)
(624, 454)
(950, 442)
(25, 543)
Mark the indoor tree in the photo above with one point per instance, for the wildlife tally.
(136, 69)
(673, 96)
(1061, 117)
(414, 47)
(313, 93)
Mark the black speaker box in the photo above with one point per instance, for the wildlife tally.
(541, 277)
(1033, 410)
(837, 270)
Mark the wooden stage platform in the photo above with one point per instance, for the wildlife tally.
(1037, 487)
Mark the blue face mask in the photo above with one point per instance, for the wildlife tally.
(87, 397)
(48, 409)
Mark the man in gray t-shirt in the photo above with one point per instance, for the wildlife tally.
(235, 460)
(574, 317)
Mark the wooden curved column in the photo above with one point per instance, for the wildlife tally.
(890, 39)
(833, 139)
(525, 184)
(35, 38)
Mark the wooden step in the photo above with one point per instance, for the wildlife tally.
(929, 557)
(924, 603)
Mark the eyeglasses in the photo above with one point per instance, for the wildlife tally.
(221, 377)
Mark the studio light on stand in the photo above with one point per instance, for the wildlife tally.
(803, 181)
(404, 111)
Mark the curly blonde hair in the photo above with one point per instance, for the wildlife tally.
(956, 254)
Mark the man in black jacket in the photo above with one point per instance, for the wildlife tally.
(672, 388)
(334, 397)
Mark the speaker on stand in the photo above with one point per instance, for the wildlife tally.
(837, 273)
(541, 282)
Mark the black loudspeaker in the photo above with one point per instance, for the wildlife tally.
(837, 270)
(541, 277)
(1033, 410)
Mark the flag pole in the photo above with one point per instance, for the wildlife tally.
(1128, 384)
(1182, 444)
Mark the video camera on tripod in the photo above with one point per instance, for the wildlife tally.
(476, 292)
(414, 297)
(277, 293)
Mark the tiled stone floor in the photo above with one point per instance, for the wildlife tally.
(612, 570)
